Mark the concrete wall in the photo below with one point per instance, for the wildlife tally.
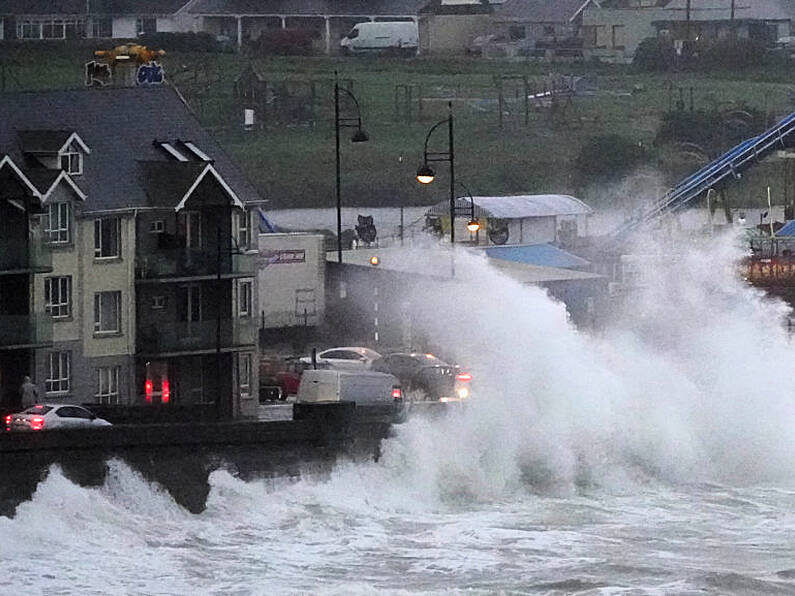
(283, 283)
(450, 34)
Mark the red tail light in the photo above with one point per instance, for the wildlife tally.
(397, 394)
(37, 423)
(8, 420)
(463, 377)
(166, 392)
(148, 390)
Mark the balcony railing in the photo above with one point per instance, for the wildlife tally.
(196, 336)
(25, 330)
(18, 255)
(182, 262)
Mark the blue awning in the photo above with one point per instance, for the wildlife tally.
(787, 230)
(545, 255)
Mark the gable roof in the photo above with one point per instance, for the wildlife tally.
(82, 7)
(170, 184)
(49, 141)
(7, 162)
(342, 8)
(539, 11)
(120, 126)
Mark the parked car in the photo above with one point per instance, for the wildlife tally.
(347, 358)
(279, 377)
(53, 416)
(435, 379)
(365, 387)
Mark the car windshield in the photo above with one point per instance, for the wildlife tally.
(37, 410)
(429, 360)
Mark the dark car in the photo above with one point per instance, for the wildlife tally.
(435, 379)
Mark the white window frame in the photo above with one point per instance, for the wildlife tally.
(107, 390)
(245, 297)
(243, 224)
(53, 24)
(59, 365)
(139, 25)
(58, 296)
(102, 327)
(244, 375)
(74, 162)
(158, 302)
(26, 28)
(157, 226)
(101, 244)
(59, 220)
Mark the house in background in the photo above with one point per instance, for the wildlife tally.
(85, 19)
(612, 30)
(549, 28)
(327, 22)
(151, 294)
(449, 26)
(762, 20)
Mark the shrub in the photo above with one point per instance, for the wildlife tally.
(654, 54)
(607, 157)
(731, 53)
(688, 127)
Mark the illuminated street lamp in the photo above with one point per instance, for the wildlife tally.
(358, 137)
(425, 173)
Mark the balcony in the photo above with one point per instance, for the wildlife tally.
(196, 337)
(25, 331)
(18, 256)
(184, 263)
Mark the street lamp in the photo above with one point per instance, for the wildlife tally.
(425, 173)
(358, 137)
(473, 225)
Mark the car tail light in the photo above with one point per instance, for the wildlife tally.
(463, 377)
(148, 391)
(166, 392)
(37, 423)
(8, 420)
(397, 394)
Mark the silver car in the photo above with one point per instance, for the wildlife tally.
(53, 416)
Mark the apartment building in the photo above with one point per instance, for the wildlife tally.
(150, 288)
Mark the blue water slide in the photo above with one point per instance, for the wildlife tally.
(730, 164)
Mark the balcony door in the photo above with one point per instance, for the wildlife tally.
(189, 310)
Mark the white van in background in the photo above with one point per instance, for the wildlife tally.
(364, 387)
(384, 36)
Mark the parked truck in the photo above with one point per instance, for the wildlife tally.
(380, 37)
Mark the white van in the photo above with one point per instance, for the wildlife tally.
(363, 387)
(401, 36)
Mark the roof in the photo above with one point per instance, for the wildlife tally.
(78, 7)
(720, 10)
(517, 206)
(432, 262)
(539, 11)
(120, 126)
(307, 7)
(545, 255)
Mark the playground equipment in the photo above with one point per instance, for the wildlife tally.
(125, 65)
(727, 167)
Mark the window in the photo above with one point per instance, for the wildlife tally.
(305, 305)
(58, 223)
(158, 302)
(190, 228)
(189, 303)
(158, 226)
(58, 372)
(244, 375)
(243, 237)
(107, 391)
(72, 162)
(244, 291)
(517, 32)
(107, 311)
(102, 27)
(53, 30)
(29, 30)
(549, 30)
(58, 296)
(146, 25)
(106, 238)
(618, 37)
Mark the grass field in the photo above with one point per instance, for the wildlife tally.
(293, 166)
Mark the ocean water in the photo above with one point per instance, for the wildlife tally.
(653, 456)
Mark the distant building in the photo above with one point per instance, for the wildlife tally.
(612, 30)
(85, 19)
(149, 291)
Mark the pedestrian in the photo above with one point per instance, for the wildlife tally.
(28, 393)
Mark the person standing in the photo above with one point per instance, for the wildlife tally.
(28, 393)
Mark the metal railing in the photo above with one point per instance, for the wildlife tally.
(33, 255)
(191, 336)
(182, 262)
(25, 330)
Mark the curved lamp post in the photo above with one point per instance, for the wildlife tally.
(425, 173)
(358, 137)
(473, 225)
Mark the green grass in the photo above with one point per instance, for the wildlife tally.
(294, 166)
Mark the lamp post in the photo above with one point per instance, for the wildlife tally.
(358, 137)
(426, 175)
(473, 225)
